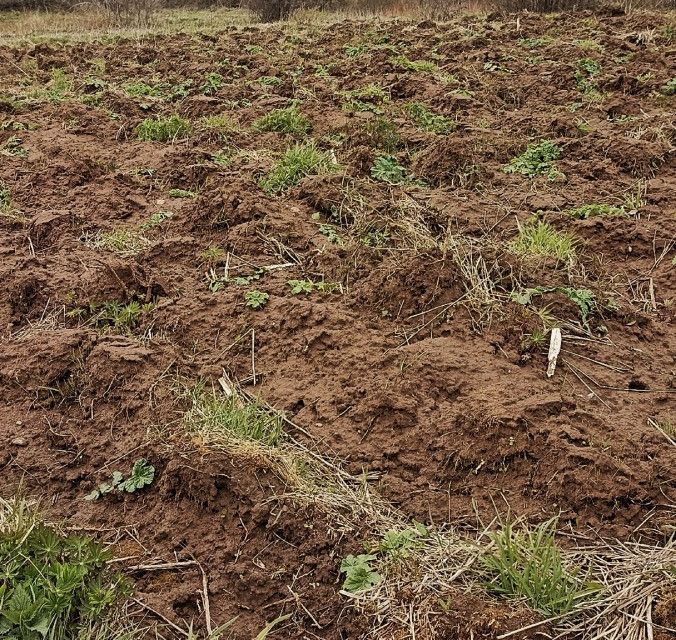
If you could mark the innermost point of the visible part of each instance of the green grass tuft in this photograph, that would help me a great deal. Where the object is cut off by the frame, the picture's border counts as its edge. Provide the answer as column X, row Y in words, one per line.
column 216, row 417
column 163, row 129
column 527, row 563
column 288, row 120
column 298, row 161
column 539, row 238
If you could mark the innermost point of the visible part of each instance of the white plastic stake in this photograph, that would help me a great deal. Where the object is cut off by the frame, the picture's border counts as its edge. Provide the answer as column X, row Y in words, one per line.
column 554, row 350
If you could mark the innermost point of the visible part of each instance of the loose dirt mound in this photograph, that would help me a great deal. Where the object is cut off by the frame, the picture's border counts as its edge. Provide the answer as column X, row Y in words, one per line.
column 424, row 368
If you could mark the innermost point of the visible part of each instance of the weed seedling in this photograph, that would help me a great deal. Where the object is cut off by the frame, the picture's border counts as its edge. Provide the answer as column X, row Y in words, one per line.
column 383, row 134
column 298, row 162
column 387, row 169
column 270, row 81
column 142, row 90
column 359, row 574
column 126, row 242
column 163, row 129
column 59, row 86
column 418, row 66
column 428, row 120
column 256, row 299
column 288, row 120
column 213, row 254
column 397, row 543
column 330, row 232
column 536, row 160
column 669, row 88
column 212, row 83
column 5, row 197
column 116, row 316
column 142, row 475
column 587, row 69
column 540, row 239
column 308, row 286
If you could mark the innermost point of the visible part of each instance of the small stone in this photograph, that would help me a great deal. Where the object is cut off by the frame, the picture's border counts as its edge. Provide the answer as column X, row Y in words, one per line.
column 19, row 442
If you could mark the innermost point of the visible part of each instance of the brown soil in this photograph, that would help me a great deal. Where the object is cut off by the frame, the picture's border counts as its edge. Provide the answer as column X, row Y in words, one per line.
column 453, row 414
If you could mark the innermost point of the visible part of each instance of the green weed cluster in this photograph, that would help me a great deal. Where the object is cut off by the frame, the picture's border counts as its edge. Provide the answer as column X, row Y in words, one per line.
column 428, row 120
column 536, row 160
column 386, row 168
column 52, row 586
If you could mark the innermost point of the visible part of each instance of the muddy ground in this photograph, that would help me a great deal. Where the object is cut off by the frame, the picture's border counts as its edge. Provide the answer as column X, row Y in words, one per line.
column 444, row 401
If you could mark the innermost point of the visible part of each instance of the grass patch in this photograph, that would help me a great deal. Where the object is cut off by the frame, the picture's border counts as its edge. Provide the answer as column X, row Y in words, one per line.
column 428, row 120
column 231, row 418
column 289, row 120
column 126, row 242
column 539, row 239
column 537, row 160
column 587, row 211
column 53, row 585
column 5, row 198
column 298, row 161
column 527, row 563
column 418, row 66
column 163, row 129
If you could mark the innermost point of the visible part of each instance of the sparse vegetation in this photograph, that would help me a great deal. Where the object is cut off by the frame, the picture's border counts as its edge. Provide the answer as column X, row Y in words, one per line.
column 390, row 304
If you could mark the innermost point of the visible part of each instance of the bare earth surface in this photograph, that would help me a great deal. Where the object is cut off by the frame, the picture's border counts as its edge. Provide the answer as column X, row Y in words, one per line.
column 447, row 404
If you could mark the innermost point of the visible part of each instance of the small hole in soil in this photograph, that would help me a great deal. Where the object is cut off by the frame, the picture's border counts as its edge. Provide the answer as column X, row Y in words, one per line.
column 637, row 385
